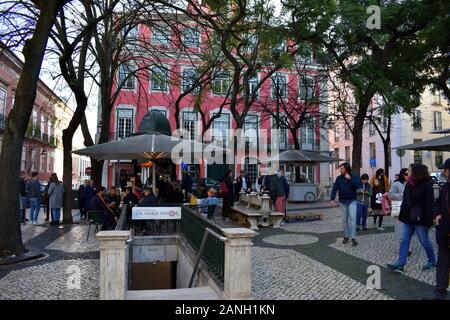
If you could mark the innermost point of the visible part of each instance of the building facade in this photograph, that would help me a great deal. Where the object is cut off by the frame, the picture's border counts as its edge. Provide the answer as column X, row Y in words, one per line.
column 158, row 88
column 431, row 115
column 42, row 146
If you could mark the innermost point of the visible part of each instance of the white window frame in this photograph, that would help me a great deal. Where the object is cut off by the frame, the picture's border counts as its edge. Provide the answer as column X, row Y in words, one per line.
column 196, row 31
column 131, row 78
column 254, row 80
column 223, row 77
column 184, row 87
column 163, row 31
column 273, row 125
column 272, row 87
column 195, row 133
column 227, row 136
column 437, row 121
column 164, row 110
column 116, row 122
column 3, row 105
column 309, row 95
column 166, row 72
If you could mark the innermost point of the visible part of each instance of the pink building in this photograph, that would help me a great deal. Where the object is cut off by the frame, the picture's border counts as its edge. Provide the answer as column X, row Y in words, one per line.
column 40, row 141
column 158, row 87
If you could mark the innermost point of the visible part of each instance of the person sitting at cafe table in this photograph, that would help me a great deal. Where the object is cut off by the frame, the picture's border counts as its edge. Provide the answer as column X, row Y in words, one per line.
column 113, row 200
column 210, row 201
column 130, row 197
column 97, row 203
column 149, row 197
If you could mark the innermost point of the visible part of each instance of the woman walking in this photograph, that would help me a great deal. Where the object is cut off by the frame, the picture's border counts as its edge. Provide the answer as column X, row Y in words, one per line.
column 416, row 215
column 55, row 193
column 396, row 193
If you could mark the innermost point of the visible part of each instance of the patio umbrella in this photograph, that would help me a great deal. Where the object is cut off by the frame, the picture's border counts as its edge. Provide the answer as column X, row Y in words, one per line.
column 301, row 156
column 149, row 146
column 437, row 144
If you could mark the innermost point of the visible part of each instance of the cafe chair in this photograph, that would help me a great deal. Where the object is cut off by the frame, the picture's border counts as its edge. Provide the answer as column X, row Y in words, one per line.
column 97, row 218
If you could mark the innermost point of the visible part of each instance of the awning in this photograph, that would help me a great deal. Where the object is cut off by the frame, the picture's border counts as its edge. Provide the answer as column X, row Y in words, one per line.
column 301, row 156
column 437, row 144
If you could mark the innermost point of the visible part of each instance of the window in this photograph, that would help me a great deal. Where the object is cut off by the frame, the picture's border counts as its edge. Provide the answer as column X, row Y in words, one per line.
column 189, row 80
column 436, row 98
column 125, row 119
column 126, row 76
column 252, row 85
column 251, row 171
column 191, row 37
column 417, row 120
column 373, row 154
column 439, row 159
column 129, row 32
column 42, row 162
column 304, row 58
column 49, row 128
column 371, row 129
column 42, row 126
column 347, row 154
column 417, row 153
column 279, row 86
column 221, row 83
column 35, row 123
column 50, row 161
column 336, row 133
column 2, row 107
column 33, row 159
column 437, row 120
column 307, row 134
column 23, row 162
column 159, row 79
column 190, row 124
column 251, row 128
column 336, row 155
column 346, row 133
column 221, row 128
column 160, row 35
column 282, row 131
column 306, row 87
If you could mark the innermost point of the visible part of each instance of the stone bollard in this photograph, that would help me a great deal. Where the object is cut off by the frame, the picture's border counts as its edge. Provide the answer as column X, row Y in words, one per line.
column 265, row 210
column 241, row 196
column 238, row 263
column 251, row 196
column 113, row 266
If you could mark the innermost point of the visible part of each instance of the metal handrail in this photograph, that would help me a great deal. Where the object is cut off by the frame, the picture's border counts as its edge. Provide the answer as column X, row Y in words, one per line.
column 200, row 251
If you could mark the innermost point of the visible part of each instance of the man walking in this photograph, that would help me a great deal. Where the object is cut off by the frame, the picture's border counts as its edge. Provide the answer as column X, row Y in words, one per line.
column 23, row 197
column 34, row 196
column 442, row 220
column 347, row 184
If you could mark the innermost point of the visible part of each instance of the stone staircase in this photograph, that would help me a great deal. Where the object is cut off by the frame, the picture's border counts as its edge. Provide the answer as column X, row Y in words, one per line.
column 200, row 293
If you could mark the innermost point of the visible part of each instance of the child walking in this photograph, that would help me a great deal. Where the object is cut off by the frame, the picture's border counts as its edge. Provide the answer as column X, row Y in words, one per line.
column 363, row 196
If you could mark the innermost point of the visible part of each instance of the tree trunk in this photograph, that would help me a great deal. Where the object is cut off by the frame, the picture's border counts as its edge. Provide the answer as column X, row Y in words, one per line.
column 296, row 147
column 97, row 171
column 10, row 156
column 67, row 176
column 357, row 142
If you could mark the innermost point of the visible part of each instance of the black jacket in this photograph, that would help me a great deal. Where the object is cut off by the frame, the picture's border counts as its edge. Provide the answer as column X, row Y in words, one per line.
column 443, row 208
column 23, row 187
column 239, row 183
column 422, row 196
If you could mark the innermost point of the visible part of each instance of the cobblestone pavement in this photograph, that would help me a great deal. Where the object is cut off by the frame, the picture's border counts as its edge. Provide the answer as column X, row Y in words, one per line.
column 301, row 261
column 67, row 253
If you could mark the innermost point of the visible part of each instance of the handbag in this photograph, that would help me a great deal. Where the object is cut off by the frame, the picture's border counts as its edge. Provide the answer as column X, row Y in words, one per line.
column 415, row 214
column 395, row 208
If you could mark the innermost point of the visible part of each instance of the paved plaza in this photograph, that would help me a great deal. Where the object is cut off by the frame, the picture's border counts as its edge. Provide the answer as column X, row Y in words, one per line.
column 300, row 261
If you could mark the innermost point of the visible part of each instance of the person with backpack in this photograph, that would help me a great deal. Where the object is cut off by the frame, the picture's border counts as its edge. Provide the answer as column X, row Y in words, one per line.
column 227, row 193
column 416, row 215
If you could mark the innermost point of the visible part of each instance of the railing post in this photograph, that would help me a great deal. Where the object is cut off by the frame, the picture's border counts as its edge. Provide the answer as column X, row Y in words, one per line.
column 238, row 263
column 113, row 279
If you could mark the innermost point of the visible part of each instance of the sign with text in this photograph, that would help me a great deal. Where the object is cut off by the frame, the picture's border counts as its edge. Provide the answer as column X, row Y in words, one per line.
column 156, row 213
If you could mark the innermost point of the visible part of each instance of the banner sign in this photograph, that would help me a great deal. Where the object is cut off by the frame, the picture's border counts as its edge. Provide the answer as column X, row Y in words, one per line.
column 156, row 213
